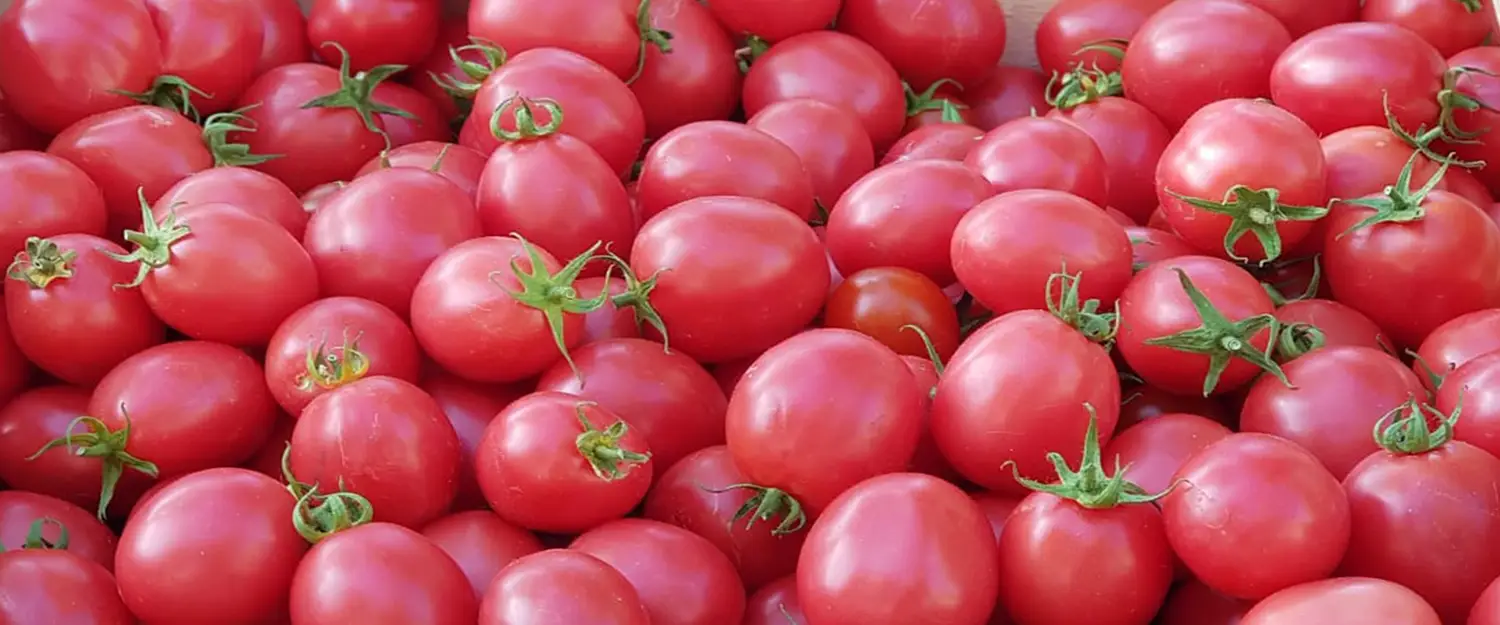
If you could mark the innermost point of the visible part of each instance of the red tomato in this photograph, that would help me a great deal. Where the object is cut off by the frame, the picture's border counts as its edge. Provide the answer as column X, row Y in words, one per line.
column 1456, row 342
column 55, row 586
column 15, row 133
column 1070, row 25
column 834, row 68
column 424, row 120
column 1487, row 609
column 710, row 158
column 829, row 140
column 1485, row 89
column 1343, row 601
column 460, row 165
column 880, row 302
column 284, row 39
column 549, row 447
column 1473, row 388
column 1396, row 67
column 333, row 342
column 681, row 578
column 1301, row 17
column 609, row 321
column 1150, row 245
column 697, row 79
column 1364, row 160
column 213, row 45
column 88, row 538
column 772, row 21
column 375, row 32
column 253, row 191
column 215, row 545
column 604, row 32
column 66, row 314
column 46, row 196
column 1336, row 323
column 1192, row 603
column 775, row 604
column 1007, row 93
column 927, row 530
column 481, row 543
column 1152, row 451
column 454, row 67
column 1132, row 140
column 380, row 574
column 561, row 585
column 469, row 406
column 1142, row 403
column 1254, row 514
column 927, row 42
column 1042, row 153
column 949, row 142
column 1449, row 26
column 37, row 418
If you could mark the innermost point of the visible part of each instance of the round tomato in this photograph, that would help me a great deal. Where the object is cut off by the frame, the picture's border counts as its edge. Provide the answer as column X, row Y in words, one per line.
column 1071, row 25
column 87, row 537
column 561, row 585
column 1395, row 68
column 29, row 424
column 1343, row 601
column 1472, row 390
column 881, row 302
column 46, row 196
column 284, row 39
column 829, row 140
column 928, row 42
column 1336, row 324
column 1131, row 139
column 835, row 68
column 54, row 586
column 380, row 574
column 1152, row 451
column 1450, row 26
column 1456, row 342
column 211, row 45
column 1482, row 86
column 710, row 158
column 253, row 191
column 481, row 543
column 695, row 78
column 681, row 578
column 604, row 32
column 1042, row 153
column 375, row 32
column 460, row 165
column 333, row 342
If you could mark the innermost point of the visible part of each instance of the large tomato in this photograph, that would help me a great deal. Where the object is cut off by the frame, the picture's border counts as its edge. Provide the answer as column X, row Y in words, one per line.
column 87, row 537
column 561, row 586
column 1070, row 25
column 212, row 45
column 830, row 141
column 1397, row 70
column 375, row 32
column 607, row 32
column 54, row 586
column 380, row 574
column 696, row 78
column 251, row 190
column 32, row 421
column 333, row 342
column 46, row 196
column 927, row 42
column 1132, row 140
column 710, row 158
column 834, row 68
column 681, row 578
column 1343, row 601
column 481, row 543
column 1042, row 153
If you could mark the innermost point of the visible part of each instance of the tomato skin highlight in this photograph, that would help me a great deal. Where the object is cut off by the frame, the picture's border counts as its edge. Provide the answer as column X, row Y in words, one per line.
column 1152, row 451
column 1069, row 25
column 380, row 574
column 882, row 302
column 379, row 32
column 1390, row 59
column 927, row 42
column 698, row 80
column 1343, row 601
column 253, row 191
column 829, row 140
column 561, row 585
column 682, row 578
column 1132, row 140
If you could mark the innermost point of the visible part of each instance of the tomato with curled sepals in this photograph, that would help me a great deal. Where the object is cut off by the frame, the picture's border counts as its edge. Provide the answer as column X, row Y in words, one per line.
column 548, row 447
column 481, row 543
column 775, row 604
column 881, row 302
column 45, row 585
column 1041, row 153
column 927, row 528
column 1131, row 139
column 1151, row 245
column 32, row 420
column 834, row 68
column 453, row 68
column 1456, row 342
column 335, row 341
column 929, row 42
column 904, row 215
column 469, row 406
column 1071, row 25
column 1192, row 603
column 375, row 32
column 1262, row 492
column 284, row 34
column 460, row 165
column 213, row 545
column 66, row 313
column 561, row 585
column 46, row 196
column 1317, row 323
column 829, row 140
column 681, row 577
column 1343, row 601
column 87, row 537
column 607, row 33
column 695, row 78
column 211, row 45
column 380, row 574
column 1364, row 160
column 710, row 158
column 1449, row 25
column 947, row 141
column 1008, row 92
column 1152, row 451
column 252, row 191
column 1399, row 72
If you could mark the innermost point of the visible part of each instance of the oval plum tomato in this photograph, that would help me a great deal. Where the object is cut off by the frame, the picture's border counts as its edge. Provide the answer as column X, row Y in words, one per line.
column 696, row 494
column 1152, row 451
column 52, row 77
column 929, row 42
column 834, row 68
column 701, row 245
column 1397, row 70
column 87, row 537
column 1192, row 603
column 710, row 158
column 666, row 397
column 1315, row 323
column 1456, row 342
column 1343, row 601
column 548, row 447
column 284, row 31
column 28, row 424
column 1450, row 26
column 217, row 273
column 46, row 196
column 1218, row 182
column 384, row 439
column 928, row 529
column 607, row 33
column 610, row 321
column 681, row 577
column 481, row 543
column 881, row 301
column 1195, row 324
column 904, row 215
column 1132, row 140
column 1471, row 388
column 1008, row 92
column 375, row 32
column 1150, row 245
column 1143, row 402
column 601, row 110
column 1255, row 498
column 333, row 342
column 213, row 540
column 949, row 142
column 252, row 191
column 380, row 574
column 15, row 133
column 829, row 140
column 66, row 314
column 696, row 79
column 1071, row 25
column 460, row 165
column 772, row 21
column 1042, row 153
column 469, row 406
column 55, row 586
column 775, row 604
column 561, row 586
column 212, row 45
column 377, row 237
column 816, row 414
column 1377, row 246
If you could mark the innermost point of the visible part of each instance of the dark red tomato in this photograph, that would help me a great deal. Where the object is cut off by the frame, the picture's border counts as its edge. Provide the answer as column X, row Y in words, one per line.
column 949, row 142
column 1343, row 601
column 710, row 158
column 980, row 420
column 1070, row 25
column 1473, row 387
column 469, row 406
column 1152, row 451
column 775, row 604
column 216, row 545
column 774, row 21
column 1338, row 324
column 267, row 461
column 284, row 34
column 15, row 133
column 881, row 301
column 1254, row 514
column 665, row 396
column 481, row 543
column 1218, row 159
column 1451, row 26
column 561, row 586
column 599, row 108
column 1150, row 245
column 834, row 68
column 1156, row 305
column 681, row 577
column 46, row 196
column 1142, row 403
column 107, row 147
column 697, row 80
column 252, row 191
column 213, row 45
column 822, row 411
column 829, row 140
column 385, row 439
column 460, row 165
column 928, row 529
column 927, row 42
column 88, row 538
column 380, row 574
column 54, row 77
column 691, row 494
column 1456, row 342
column 1041, row 153
column 604, row 32
column 1393, row 65
column 1485, row 89
column 1132, row 140
column 1180, row 62
column 609, row 321
column 904, row 215
column 55, row 586
column 217, row 273
column 66, row 314
column 375, row 32
column 333, row 342
column 700, row 245
column 1192, row 603
column 1008, row 92
column 33, row 420
column 1301, row 17
column 426, row 122
column 1006, row 250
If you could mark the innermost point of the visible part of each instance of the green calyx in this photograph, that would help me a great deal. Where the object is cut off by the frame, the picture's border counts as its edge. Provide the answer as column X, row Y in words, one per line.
column 1432, row 377
column 41, row 263
column 1416, row 427
column 216, row 131
column 1280, row 299
column 329, row 368
column 650, row 37
column 317, row 516
column 928, row 100
column 108, row 446
column 357, row 92
column 602, row 450
column 747, row 54
column 1064, row 303
column 36, row 537
column 551, row 294
column 1254, row 211
column 1081, row 85
column 765, row 505
column 1089, row 486
column 464, row 91
column 1221, row 339
column 153, row 242
column 637, row 297
column 1446, row 129
column 932, row 354
column 1297, row 339
column 171, row 93
column 1400, row 203
column 524, row 111
column 1472, row 6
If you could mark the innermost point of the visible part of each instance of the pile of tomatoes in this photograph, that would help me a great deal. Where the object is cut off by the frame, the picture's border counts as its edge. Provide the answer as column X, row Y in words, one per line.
column 748, row 312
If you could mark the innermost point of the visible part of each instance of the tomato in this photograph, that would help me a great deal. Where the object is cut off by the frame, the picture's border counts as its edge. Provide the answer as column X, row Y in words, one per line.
column 253, row 191
column 382, row 32
column 87, row 537
column 928, row 42
column 1336, row 325
column 1255, row 498
column 697, row 79
column 1301, row 18
column 217, row 273
column 829, row 140
column 604, row 32
column 949, row 142
column 1394, row 65
column 1456, row 342
column 710, row 158
column 216, row 540
column 481, row 543
column 1042, row 153
column 1132, row 140
column 333, row 342
column 46, row 196
column 834, row 68
column 1192, row 603
column 904, row 215
column 1152, row 451
column 548, row 447
column 55, row 586
column 380, row 574
column 763, row 249
column 469, row 407
column 1070, row 25
column 453, row 68
column 1179, row 61
column 681, row 578
column 1485, row 89
column 1449, row 26
column 880, row 302
column 1470, row 389
column 212, row 45
column 1151, row 245
column 775, row 604
column 561, row 585
column 460, row 165
column 15, row 133
column 927, row 528
column 34, row 419
column 424, row 120
column 1343, row 601
column 284, row 34
column 66, row 314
